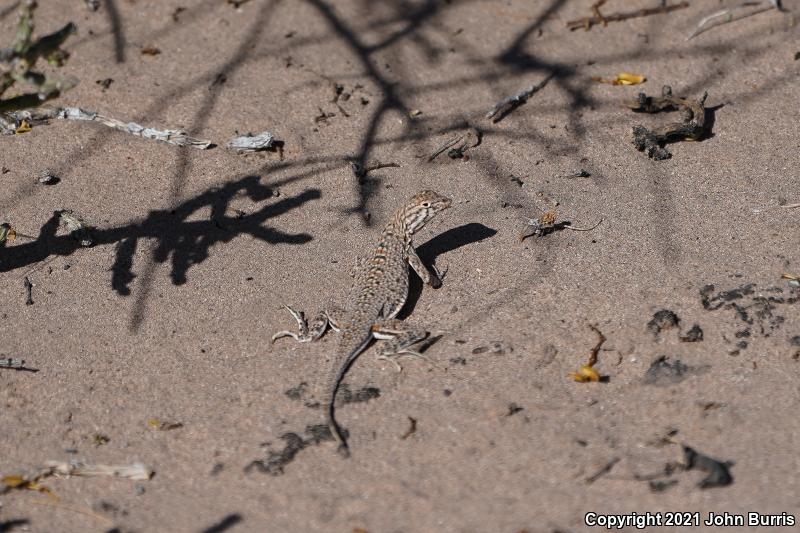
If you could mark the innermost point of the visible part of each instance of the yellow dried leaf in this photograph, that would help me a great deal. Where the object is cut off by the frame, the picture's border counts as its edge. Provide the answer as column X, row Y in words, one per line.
column 163, row 425
column 585, row 374
column 623, row 78
column 24, row 127
column 19, row 482
column 626, row 78
column 30, row 485
column 13, row 482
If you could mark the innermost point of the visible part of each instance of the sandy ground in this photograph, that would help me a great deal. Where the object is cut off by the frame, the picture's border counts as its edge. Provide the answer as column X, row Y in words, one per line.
column 169, row 315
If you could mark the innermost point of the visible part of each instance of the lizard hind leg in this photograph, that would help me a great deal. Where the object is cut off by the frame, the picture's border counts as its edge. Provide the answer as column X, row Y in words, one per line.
column 305, row 332
column 396, row 338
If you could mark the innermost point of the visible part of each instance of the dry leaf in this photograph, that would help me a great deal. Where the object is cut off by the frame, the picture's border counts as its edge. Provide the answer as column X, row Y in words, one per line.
column 151, row 51
column 12, row 482
column 7, row 233
column 623, row 78
column 19, row 482
column 24, row 127
column 163, row 425
column 585, row 375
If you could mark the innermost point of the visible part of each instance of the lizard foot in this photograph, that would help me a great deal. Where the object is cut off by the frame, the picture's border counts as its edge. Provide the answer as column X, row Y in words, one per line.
column 393, row 357
column 304, row 334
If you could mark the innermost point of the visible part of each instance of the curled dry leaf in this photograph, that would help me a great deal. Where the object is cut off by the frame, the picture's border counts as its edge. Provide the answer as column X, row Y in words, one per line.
column 623, row 78
column 24, row 127
column 585, row 374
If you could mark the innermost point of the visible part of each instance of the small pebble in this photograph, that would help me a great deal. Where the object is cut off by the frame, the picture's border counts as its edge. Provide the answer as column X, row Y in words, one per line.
column 47, row 177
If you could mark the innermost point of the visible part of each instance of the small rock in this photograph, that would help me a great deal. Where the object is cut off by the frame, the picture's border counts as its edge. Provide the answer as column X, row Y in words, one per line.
column 47, row 177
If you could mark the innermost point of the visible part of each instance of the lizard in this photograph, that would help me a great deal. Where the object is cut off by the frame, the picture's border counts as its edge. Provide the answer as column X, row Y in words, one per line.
column 379, row 291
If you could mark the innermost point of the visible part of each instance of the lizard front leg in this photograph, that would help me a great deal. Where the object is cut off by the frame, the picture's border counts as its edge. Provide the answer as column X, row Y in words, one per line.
column 434, row 279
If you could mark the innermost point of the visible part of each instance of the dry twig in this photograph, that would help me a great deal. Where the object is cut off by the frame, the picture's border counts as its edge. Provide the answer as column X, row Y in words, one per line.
column 587, row 22
column 727, row 15
column 507, row 105
column 42, row 116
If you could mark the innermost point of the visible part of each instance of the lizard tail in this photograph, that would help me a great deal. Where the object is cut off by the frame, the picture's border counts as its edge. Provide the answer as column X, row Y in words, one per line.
column 338, row 433
column 336, row 430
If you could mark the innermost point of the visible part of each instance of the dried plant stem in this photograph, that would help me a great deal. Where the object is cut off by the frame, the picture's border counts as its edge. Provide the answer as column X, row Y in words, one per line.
column 726, row 16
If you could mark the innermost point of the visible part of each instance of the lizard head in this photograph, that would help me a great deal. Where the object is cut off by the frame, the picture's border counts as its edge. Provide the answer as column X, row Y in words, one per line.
column 422, row 207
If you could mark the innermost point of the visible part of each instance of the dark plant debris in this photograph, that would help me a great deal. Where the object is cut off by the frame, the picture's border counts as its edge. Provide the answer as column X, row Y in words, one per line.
column 298, row 392
column 275, row 462
column 719, row 474
column 661, row 485
column 360, row 171
column 28, row 291
column 495, row 347
column 13, row 363
column 664, row 372
column 663, row 319
column 105, row 83
column 176, row 13
column 692, row 126
column 456, row 146
column 695, row 334
column 587, row 373
column 605, row 469
column 754, row 310
column 163, row 425
column 507, row 105
column 582, row 173
column 412, row 428
column 513, row 409
column 365, row 394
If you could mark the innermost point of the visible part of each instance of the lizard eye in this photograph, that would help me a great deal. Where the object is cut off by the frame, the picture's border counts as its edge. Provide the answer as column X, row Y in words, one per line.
column 426, row 204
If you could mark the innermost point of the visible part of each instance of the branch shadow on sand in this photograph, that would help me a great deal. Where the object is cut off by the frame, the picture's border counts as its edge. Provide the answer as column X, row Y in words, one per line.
column 186, row 242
